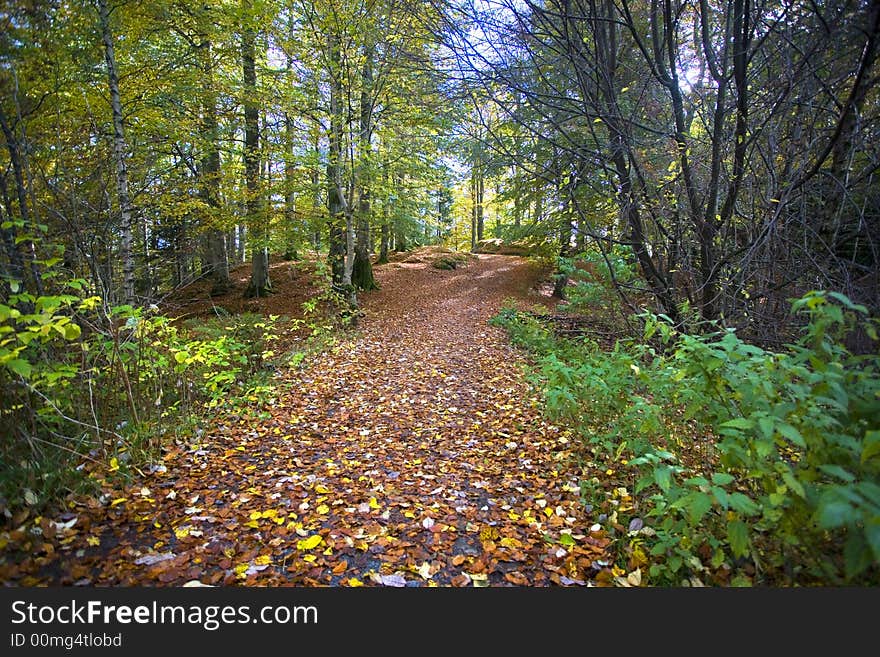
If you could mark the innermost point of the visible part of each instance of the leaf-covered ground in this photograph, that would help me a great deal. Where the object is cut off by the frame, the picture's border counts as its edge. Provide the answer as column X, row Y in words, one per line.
column 412, row 454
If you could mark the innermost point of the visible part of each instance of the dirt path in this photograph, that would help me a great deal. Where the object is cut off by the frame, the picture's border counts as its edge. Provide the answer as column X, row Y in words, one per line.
column 413, row 454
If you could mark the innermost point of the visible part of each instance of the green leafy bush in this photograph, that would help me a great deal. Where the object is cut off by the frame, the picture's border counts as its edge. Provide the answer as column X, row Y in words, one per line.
column 83, row 382
column 592, row 276
column 743, row 459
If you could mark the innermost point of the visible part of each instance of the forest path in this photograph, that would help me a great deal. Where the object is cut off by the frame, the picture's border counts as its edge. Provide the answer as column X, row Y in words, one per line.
column 413, row 453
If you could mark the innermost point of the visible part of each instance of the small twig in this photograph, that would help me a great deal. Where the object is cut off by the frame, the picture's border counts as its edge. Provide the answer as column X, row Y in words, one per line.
column 95, row 428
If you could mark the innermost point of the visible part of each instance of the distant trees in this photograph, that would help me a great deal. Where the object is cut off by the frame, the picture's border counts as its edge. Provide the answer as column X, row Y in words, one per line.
column 169, row 140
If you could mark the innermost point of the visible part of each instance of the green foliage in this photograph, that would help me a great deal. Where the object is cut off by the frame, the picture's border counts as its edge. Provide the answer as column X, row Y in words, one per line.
column 82, row 382
column 739, row 455
column 593, row 275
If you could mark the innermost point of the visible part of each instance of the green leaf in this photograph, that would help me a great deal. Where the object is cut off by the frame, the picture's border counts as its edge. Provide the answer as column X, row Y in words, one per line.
column 699, row 506
column 663, row 477
column 566, row 539
column 738, row 536
column 856, row 555
column 722, row 478
column 792, row 434
column 738, row 423
column 722, row 496
column 870, row 446
column 72, row 331
column 743, row 504
column 695, row 504
column 20, row 367
column 180, row 356
column 834, row 514
column 837, row 471
column 794, row 484
column 872, row 533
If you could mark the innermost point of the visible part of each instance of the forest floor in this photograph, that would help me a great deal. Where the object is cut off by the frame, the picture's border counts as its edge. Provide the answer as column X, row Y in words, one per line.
column 412, row 453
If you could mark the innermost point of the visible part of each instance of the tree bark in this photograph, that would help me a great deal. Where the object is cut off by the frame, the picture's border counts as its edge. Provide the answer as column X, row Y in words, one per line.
column 259, row 285
column 35, row 283
column 341, row 252
column 120, row 156
column 209, row 188
column 362, row 275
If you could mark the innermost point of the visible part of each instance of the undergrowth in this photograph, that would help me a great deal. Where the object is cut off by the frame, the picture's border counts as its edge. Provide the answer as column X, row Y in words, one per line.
column 89, row 388
column 717, row 462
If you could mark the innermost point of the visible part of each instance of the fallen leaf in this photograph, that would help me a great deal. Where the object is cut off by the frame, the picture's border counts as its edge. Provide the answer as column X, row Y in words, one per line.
column 396, row 581
column 480, row 580
column 310, row 543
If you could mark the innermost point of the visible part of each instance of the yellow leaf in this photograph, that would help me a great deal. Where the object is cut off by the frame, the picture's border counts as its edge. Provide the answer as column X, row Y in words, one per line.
column 548, row 512
column 114, row 464
column 253, row 524
column 513, row 515
column 263, row 560
column 354, row 582
column 510, row 542
column 241, row 569
column 118, row 500
column 409, row 514
column 635, row 577
column 320, row 488
column 309, row 558
column 480, row 580
column 310, row 543
column 323, row 509
column 255, row 515
column 373, row 503
column 93, row 540
column 181, row 532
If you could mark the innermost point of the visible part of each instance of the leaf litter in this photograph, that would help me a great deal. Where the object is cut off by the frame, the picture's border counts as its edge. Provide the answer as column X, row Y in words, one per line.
column 413, row 453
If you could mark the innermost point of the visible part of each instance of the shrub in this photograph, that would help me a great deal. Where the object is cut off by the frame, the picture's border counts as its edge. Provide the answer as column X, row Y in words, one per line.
column 743, row 459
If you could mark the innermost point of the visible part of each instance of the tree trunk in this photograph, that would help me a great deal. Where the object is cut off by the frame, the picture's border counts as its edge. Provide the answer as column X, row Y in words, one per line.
column 259, row 285
column 480, row 219
column 335, row 202
column 15, row 269
column 209, row 183
column 289, row 195
column 362, row 274
column 120, row 155
column 473, row 191
column 36, row 280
